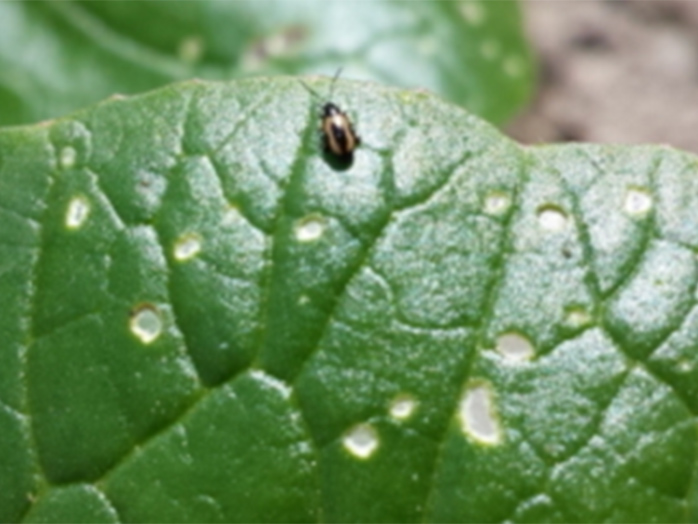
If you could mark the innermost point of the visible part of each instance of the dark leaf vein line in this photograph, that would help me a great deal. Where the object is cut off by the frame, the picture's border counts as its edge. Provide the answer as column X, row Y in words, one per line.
column 367, row 250
column 30, row 326
column 488, row 312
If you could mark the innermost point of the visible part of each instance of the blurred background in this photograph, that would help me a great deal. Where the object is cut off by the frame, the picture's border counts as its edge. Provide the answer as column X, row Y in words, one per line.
column 612, row 71
column 617, row 71
column 58, row 56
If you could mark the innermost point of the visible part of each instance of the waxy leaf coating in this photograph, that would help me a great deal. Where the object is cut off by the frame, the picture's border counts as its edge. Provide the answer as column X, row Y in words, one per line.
column 205, row 320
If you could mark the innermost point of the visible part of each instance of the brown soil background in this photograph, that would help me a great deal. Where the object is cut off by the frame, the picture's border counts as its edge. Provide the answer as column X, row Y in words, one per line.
column 613, row 71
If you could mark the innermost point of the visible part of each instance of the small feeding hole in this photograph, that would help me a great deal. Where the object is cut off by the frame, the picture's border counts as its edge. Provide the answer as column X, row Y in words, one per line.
column 685, row 366
column 187, row 246
column 552, row 218
column 310, row 229
column 577, row 318
column 638, row 201
column 146, row 323
column 303, row 300
column 78, row 209
column 497, row 203
column 68, row 157
column 515, row 347
column 402, row 407
column 477, row 415
column 361, row 441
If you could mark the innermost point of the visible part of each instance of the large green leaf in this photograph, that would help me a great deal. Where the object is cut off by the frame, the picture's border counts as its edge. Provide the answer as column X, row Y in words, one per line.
column 205, row 319
column 56, row 57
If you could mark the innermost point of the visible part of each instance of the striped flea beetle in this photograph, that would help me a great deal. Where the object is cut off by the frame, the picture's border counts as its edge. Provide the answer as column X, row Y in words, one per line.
column 338, row 136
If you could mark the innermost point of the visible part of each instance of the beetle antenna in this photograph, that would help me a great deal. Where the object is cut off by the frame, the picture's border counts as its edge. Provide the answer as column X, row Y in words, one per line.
column 334, row 79
column 310, row 89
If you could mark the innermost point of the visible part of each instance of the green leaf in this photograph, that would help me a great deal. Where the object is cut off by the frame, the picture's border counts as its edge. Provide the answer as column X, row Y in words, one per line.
column 56, row 57
column 205, row 319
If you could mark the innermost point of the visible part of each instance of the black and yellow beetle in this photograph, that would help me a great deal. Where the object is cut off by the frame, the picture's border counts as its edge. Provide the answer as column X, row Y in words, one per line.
column 338, row 136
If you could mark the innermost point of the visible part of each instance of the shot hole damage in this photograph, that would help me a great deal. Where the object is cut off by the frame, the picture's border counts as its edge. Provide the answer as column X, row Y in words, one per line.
column 477, row 414
column 146, row 323
column 361, row 441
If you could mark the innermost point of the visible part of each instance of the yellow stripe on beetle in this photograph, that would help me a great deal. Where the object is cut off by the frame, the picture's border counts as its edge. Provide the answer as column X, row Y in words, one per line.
column 338, row 136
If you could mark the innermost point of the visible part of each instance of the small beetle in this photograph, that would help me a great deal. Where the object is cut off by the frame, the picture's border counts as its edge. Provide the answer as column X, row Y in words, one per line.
column 338, row 135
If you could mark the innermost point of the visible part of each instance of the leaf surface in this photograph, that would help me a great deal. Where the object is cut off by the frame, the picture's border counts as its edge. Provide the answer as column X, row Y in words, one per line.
column 207, row 320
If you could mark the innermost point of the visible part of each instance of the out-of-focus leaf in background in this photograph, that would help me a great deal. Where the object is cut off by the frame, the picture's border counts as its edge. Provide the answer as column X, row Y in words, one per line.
column 56, row 57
